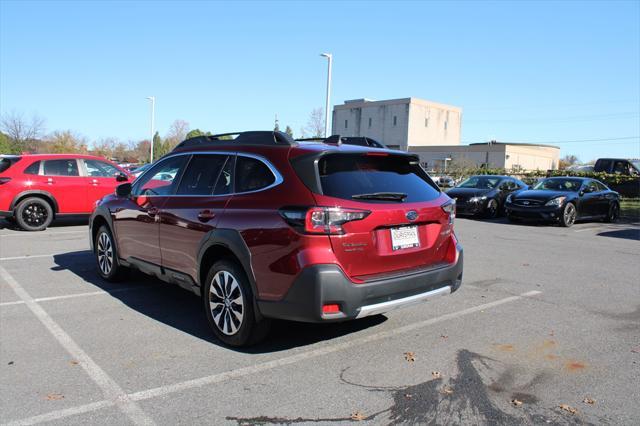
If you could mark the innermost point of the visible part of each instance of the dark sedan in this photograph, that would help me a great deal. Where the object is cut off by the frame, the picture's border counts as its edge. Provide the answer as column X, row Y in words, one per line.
column 565, row 200
column 484, row 194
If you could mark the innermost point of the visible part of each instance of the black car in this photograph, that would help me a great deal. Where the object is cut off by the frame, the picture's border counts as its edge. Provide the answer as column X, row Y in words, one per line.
column 565, row 200
column 484, row 194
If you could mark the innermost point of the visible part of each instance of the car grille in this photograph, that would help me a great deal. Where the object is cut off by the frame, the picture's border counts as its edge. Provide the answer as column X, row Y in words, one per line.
column 527, row 203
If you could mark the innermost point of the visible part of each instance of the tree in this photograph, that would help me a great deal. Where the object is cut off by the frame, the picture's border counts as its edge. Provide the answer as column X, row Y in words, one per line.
column 176, row 134
column 64, row 142
column 567, row 161
column 104, row 147
column 315, row 125
column 142, row 151
column 160, row 147
column 22, row 132
column 6, row 147
column 289, row 131
column 197, row 132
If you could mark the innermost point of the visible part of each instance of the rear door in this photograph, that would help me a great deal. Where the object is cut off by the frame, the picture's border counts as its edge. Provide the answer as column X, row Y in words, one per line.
column 61, row 178
column 194, row 209
column 397, row 235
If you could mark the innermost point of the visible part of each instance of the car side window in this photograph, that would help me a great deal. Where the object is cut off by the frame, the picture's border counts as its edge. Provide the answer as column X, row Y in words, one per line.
column 600, row 186
column 201, row 175
column 162, row 178
column 591, row 187
column 97, row 168
column 225, row 181
column 33, row 169
column 621, row 168
column 252, row 174
column 61, row 167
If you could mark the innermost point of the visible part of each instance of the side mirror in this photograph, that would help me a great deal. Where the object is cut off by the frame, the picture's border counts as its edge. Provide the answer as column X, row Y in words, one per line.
column 123, row 190
column 121, row 177
column 582, row 192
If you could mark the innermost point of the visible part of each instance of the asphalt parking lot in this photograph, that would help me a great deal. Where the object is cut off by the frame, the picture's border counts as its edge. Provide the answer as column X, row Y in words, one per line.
column 547, row 322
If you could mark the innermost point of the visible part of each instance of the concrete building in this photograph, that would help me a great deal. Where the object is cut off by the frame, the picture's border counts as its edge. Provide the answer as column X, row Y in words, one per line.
column 399, row 123
column 511, row 156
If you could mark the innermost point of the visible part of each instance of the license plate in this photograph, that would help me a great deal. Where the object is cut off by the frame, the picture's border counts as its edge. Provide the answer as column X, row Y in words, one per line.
column 404, row 237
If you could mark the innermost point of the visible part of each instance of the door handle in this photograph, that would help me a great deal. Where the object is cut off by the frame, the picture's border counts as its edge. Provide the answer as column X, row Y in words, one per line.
column 50, row 180
column 206, row 215
column 94, row 182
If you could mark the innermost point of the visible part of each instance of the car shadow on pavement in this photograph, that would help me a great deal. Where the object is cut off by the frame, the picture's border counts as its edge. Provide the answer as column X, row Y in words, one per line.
column 628, row 234
column 183, row 310
column 58, row 222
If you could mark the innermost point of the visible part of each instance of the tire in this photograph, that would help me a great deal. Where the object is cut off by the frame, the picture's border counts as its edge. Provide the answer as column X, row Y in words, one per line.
column 492, row 209
column 614, row 213
column 229, row 306
column 569, row 215
column 33, row 214
column 104, row 248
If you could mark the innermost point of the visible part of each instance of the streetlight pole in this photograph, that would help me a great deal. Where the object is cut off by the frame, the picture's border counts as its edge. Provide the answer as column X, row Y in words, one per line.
column 329, row 56
column 153, row 116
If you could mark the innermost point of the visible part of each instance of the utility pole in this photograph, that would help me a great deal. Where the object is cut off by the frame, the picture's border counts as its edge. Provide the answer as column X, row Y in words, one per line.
column 153, row 116
column 329, row 56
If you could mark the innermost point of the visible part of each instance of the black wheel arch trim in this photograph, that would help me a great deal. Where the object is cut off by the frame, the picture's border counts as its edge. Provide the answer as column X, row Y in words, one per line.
column 36, row 192
column 231, row 240
column 103, row 213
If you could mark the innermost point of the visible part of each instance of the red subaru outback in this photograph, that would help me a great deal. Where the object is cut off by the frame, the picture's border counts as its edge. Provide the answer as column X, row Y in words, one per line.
column 266, row 227
column 36, row 188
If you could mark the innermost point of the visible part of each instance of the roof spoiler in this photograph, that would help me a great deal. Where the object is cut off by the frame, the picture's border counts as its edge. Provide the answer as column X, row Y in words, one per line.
column 347, row 140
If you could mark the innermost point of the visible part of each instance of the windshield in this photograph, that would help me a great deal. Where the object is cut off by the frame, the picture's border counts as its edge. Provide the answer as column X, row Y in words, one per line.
column 480, row 182
column 559, row 184
column 636, row 164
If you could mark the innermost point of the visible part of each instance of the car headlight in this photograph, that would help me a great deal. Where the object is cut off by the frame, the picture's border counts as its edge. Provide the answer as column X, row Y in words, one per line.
column 477, row 199
column 556, row 201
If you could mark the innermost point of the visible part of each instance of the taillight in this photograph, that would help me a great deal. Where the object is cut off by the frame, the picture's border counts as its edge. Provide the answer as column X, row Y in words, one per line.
column 4, row 180
column 322, row 220
column 450, row 208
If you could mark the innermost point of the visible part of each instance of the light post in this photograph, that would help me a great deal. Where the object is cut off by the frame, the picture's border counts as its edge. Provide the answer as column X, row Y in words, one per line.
column 329, row 56
column 153, row 114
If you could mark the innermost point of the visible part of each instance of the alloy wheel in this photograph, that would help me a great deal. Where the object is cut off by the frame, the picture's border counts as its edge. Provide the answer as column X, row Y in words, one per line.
column 105, row 253
column 226, row 303
column 35, row 214
column 492, row 208
column 614, row 212
column 569, row 214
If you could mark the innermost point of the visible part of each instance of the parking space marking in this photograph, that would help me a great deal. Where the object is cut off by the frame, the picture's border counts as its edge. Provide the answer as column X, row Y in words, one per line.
column 34, row 256
column 111, row 390
column 269, row 365
column 71, row 296
column 61, row 414
column 40, row 234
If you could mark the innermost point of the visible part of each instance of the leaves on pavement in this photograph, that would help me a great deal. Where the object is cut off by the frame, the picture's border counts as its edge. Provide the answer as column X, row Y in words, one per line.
column 447, row 390
column 54, row 397
column 588, row 400
column 410, row 356
column 357, row 416
column 436, row 374
column 516, row 402
column 568, row 408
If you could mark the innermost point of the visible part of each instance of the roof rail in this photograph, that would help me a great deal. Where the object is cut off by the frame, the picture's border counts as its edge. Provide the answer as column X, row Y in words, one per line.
column 347, row 140
column 255, row 137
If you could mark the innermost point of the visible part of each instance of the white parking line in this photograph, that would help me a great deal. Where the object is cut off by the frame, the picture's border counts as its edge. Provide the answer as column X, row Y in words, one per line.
column 111, row 390
column 41, row 234
column 35, row 256
column 269, row 365
column 71, row 296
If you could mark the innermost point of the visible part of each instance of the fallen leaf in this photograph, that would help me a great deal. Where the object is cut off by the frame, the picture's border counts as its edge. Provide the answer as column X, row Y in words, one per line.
column 54, row 397
column 410, row 356
column 588, row 400
column 74, row 362
column 357, row 416
column 444, row 336
column 568, row 408
column 551, row 333
column 10, row 363
column 447, row 390
column 525, row 264
column 436, row 374
column 408, row 395
column 516, row 402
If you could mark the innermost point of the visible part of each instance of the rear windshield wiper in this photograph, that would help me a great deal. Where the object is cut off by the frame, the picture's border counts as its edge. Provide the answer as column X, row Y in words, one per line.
column 390, row 196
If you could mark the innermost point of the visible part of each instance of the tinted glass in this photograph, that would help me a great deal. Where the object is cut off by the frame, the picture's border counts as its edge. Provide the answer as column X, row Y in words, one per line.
column 5, row 163
column 480, row 182
column 621, row 167
column 225, row 180
column 61, row 168
column 559, row 184
column 603, row 166
column 162, row 177
column 252, row 174
column 97, row 168
column 346, row 175
column 33, row 169
column 201, row 175
column 601, row 186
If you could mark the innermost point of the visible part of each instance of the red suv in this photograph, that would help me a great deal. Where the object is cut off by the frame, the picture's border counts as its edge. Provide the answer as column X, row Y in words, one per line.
column 36, row 188
column 266, row 227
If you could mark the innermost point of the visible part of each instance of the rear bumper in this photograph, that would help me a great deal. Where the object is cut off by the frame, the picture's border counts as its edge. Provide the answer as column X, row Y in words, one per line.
column 534, row 213
column 318, row 285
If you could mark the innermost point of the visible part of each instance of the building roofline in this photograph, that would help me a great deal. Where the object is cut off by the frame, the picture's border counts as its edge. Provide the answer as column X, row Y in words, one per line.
column 353, row 103
column 514, row 143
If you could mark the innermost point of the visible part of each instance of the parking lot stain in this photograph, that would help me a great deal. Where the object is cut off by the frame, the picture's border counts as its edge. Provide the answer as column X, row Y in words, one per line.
column 504, row 347
column 575, row 366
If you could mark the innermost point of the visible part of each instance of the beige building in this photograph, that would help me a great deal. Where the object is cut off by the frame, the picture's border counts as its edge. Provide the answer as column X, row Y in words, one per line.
column 399, row 123
column 511, row 156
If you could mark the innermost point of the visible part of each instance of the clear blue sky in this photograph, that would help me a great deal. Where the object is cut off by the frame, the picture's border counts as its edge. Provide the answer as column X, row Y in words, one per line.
column 531, row 72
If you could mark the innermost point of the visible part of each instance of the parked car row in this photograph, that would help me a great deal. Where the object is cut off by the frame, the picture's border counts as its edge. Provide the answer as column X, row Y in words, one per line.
column 560, row 199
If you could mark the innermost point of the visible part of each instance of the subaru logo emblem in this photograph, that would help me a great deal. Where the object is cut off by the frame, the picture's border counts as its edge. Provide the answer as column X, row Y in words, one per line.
column 412, row 215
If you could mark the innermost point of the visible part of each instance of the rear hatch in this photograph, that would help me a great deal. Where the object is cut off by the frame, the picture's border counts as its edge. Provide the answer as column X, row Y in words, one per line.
column 405, row 229
column 6, row 162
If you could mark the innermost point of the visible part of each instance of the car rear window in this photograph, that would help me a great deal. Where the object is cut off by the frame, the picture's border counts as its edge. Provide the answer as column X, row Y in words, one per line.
column 346, row 175
column 7, row 162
